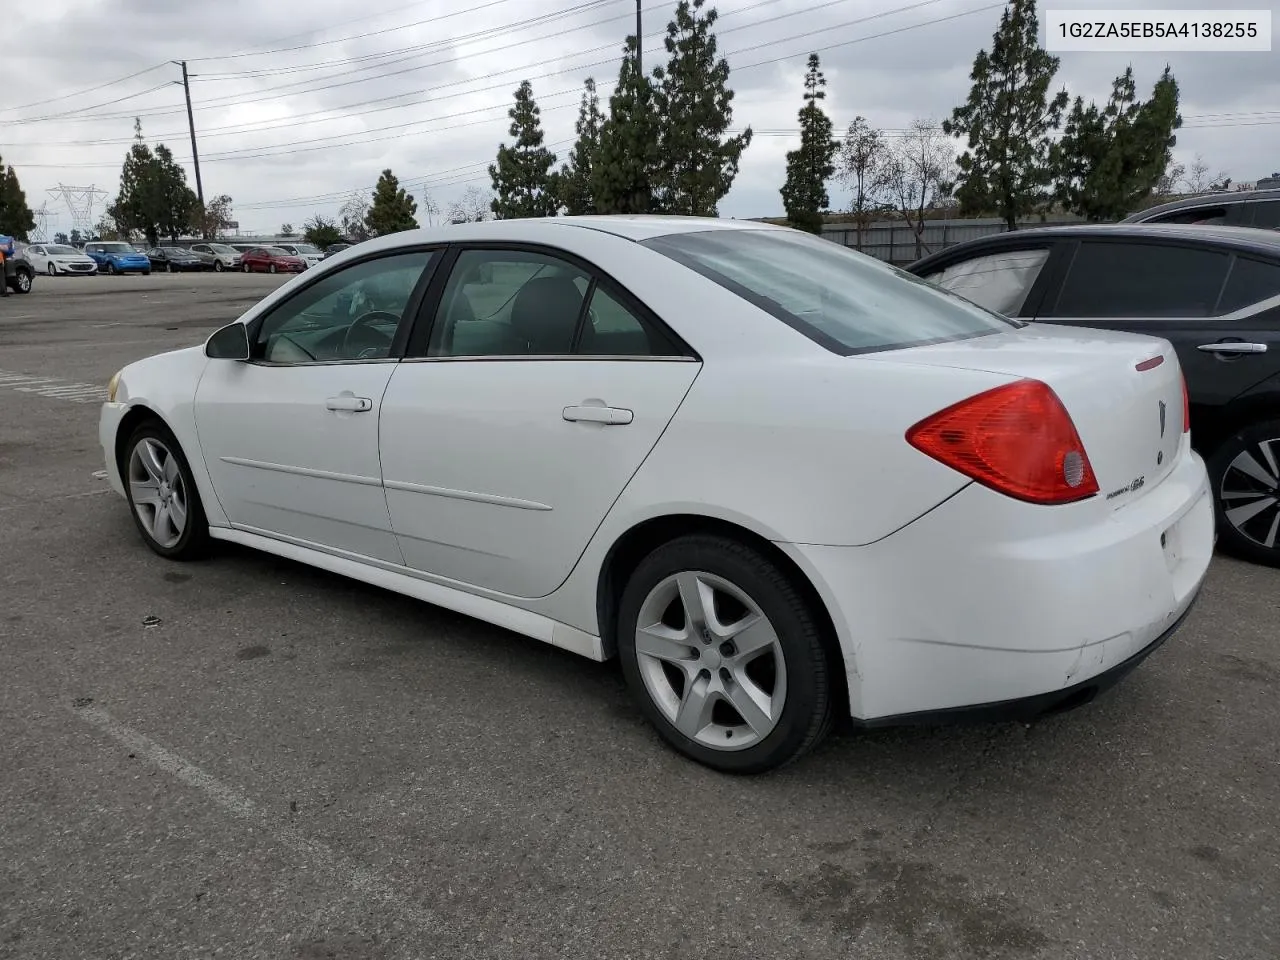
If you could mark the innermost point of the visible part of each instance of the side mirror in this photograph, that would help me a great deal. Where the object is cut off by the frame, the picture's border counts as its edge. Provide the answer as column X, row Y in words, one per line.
column 229, row 343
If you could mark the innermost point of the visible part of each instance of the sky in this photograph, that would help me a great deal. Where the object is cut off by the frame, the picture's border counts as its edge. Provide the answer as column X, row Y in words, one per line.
column 297, row 105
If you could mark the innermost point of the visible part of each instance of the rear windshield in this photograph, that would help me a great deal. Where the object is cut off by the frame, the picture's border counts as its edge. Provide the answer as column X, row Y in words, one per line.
column 846, row 301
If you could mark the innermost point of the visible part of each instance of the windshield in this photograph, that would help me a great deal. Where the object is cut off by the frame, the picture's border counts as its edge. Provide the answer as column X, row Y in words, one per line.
column 222, row 248
column 277, row 252
column 177, row 252
column 305, row 248
column 846, row 301
column 57, row 250
column 116, row 248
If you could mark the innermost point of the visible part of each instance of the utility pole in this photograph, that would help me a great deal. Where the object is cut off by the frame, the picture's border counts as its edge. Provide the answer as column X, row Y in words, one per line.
column 191, row 122
column 639, row 41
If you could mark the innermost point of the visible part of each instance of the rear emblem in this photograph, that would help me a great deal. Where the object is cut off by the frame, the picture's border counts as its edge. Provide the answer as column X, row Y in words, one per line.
column 1162, row 419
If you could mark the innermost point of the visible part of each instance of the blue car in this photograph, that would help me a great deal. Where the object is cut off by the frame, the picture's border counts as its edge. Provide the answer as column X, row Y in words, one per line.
column 116, row 257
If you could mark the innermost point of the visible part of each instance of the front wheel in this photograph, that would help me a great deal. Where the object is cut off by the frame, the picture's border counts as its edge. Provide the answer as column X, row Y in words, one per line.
column 51, row 270
column 162, row 494
column 245, row 267
column 168, row 268
column 1245, row 472
column 272, row 268
column 217, row 266
column 23, row 281
column 725, row 655
column 111, row 269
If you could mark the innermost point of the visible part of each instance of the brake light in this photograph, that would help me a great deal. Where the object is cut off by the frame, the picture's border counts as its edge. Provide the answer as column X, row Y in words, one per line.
column 1186, row 406
column 1017, row 439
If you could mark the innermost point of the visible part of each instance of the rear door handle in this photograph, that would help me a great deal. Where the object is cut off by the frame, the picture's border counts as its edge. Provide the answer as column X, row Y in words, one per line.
column 610, row 416
column 349, row 403
column 1233, row 347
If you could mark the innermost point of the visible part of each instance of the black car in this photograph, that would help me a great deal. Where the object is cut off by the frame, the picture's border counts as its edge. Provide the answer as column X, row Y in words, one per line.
column 172, row 259
column 335, row 248
column 1246, row 208
column 19, row 274
column 1211, row 291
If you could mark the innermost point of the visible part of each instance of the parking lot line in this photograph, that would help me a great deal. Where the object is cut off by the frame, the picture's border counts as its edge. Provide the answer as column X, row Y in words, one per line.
column 361, row 879
column 54, row 387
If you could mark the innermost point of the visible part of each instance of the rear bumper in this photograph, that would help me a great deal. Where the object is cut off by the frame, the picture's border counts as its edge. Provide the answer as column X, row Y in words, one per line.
column 989, row 604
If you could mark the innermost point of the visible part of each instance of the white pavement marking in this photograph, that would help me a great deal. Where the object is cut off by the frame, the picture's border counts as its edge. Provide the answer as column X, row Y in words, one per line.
column 54, row 387
column 361, row 879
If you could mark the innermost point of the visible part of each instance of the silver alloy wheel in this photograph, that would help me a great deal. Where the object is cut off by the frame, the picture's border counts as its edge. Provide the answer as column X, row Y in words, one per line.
column 158, row 492
column 24, row 282
column 1251, row 493
column 711, row 660
column 51, row 270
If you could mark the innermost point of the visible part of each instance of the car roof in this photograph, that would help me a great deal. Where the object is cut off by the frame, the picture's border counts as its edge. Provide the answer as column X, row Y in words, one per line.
column 1204, row 200
column 1247, row 239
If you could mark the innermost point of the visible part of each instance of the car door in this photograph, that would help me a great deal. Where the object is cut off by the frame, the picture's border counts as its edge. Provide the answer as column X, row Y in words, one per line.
column 1209, row 302
column 39, row 260
column 520, row 414
column 290, row 437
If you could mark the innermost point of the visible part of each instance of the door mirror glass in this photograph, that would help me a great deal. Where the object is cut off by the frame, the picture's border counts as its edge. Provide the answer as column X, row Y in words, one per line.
column 229, row 343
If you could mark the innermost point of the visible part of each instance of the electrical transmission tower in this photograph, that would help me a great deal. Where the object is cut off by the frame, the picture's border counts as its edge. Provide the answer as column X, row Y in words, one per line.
column 81, row 202
column 41, row 232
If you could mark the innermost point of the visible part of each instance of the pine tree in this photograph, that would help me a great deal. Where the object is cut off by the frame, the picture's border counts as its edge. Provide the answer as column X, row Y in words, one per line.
column 695, row 107
column 154, row 198
column 576, row 176
column 1007, row 118
column 804, row 195
column 623, row 177
column 1110, row 160
column 16, row 218
column 392, row 209
column 523, row 181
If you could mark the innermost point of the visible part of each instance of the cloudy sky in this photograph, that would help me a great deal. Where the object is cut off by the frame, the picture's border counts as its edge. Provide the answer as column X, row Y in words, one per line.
column 298, row 104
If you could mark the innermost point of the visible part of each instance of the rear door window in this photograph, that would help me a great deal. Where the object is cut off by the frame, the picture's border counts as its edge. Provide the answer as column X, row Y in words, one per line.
column 1267, row 214
column 1115, row 279
column 1251, row 281
column 998, row 281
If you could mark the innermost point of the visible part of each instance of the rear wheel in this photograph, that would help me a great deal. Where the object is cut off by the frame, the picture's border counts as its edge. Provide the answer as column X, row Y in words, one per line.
column 245, row 267
column 272, row 268
column 725, row 655
column 162, row 494
column 168, row 268
column 111, row 268
column 22, row 281
column 1245, row 472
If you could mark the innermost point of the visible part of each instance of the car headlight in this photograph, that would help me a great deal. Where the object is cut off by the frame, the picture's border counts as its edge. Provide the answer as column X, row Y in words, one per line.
column 112, row 384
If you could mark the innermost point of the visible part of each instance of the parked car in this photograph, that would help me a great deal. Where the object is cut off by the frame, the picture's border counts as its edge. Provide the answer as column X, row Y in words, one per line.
column 306, row 252
column 334, row 248
column 219, row 256
column 1248, row 208
column 116, row 257
column 904, row 513
column 58, row 258
column 175, row 259
column 19, row 274
column 1213, row 292
column 271, row 260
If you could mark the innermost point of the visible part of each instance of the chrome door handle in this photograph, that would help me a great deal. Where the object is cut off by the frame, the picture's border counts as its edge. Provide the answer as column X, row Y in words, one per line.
column 350, row 403
column 1233, row 347
column 610, row 416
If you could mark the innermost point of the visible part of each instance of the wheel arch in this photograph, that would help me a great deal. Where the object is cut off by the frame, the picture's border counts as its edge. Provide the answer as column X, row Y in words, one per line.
column 1243, row 412
column 641, row 539
column 138, row 414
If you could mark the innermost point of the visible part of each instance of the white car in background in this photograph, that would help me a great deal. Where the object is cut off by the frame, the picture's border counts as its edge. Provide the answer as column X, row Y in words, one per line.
column 307, row 252
column 58, row 259
column 778, row 479
column 220, row 256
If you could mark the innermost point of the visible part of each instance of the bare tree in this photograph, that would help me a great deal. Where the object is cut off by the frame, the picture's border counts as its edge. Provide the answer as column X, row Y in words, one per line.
column 919, row 171
column 1167, row 185
column 1198, row 179
column 429, row 207
column 351, row 218
column 473, row 206
column 860, row 165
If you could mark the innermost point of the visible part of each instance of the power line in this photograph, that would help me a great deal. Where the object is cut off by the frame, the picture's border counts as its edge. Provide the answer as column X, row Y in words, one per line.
column 81, row 93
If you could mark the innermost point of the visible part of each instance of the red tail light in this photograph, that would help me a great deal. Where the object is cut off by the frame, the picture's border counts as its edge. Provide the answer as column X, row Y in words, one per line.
column 1017, row 439
column 1186, row 406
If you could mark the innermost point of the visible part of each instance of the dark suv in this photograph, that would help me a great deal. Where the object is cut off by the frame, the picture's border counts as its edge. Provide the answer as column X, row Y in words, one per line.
column 1213, row 292
column 1248, row 208
column 19, row 274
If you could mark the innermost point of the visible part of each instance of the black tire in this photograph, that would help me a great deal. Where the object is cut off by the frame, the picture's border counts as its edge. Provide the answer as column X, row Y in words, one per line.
column 146, row 273
column 194, row 541
column 1248, row 540
column 111, row 268
column 22, row 281
column 51, row 270
column 272, row 268
column 808, row 711
column 168, row 268
column 217, row 266
column 245, row 268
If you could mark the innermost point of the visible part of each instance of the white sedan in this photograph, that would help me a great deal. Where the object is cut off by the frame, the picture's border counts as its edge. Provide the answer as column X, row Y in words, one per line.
column 779, row 480
column 58, row 259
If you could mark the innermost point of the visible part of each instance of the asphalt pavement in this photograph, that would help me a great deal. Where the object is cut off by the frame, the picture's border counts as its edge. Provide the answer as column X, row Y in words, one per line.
column 248, row 758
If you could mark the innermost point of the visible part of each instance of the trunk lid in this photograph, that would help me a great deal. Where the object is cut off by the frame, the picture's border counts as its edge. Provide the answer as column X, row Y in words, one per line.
column 1123, row 392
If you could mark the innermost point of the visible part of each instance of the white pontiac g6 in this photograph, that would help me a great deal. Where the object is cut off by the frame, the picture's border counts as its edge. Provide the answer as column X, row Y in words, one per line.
column 777, row 479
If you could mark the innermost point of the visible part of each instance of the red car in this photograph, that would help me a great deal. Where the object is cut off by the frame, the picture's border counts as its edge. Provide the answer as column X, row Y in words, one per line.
column 271, row 260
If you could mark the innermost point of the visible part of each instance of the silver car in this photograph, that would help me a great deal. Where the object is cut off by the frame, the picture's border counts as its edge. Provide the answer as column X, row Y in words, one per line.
column 221, row 256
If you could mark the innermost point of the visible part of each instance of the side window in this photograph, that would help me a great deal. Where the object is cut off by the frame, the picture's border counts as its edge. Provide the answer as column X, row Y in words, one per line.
column 1250, row 282
column 1201, row 215
column 1267, row 214
column 352, row 314
column 613, row 330
column 1108, row 279
column 505, row 303
column 999, row 282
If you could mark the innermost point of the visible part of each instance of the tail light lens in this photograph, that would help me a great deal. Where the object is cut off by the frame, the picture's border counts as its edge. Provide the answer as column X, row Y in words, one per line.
column 1186, row 406
column 1017, row 439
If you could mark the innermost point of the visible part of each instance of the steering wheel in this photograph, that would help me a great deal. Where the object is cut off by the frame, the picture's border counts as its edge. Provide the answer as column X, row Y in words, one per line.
column 367, row 320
